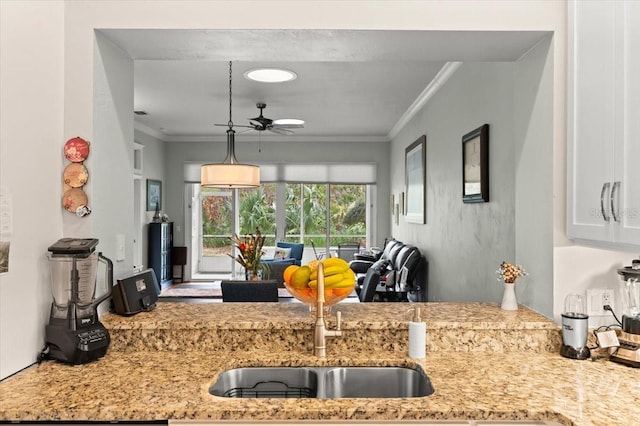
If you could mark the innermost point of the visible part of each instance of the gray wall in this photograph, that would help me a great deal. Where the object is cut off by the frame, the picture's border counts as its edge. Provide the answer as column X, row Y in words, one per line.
column 111, row 182
column 533, row 159
column 465, row 243
column 153, row 167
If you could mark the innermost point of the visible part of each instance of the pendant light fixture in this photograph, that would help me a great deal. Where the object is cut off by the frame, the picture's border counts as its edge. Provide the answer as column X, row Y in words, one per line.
column 230, row 173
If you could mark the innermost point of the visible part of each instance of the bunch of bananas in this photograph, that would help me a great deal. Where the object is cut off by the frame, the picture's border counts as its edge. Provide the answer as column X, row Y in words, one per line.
column 337, row 274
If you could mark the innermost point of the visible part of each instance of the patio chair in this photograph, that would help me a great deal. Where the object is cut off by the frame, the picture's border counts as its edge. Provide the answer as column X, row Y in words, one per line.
column 346, row 251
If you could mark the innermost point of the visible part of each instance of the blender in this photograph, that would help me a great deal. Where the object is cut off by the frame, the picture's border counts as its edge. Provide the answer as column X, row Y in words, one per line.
column 629, row 350
column 575, row 327
column 74, row 334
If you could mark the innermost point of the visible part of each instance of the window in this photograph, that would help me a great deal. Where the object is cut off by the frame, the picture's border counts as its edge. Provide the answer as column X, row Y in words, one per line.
column 326, row 204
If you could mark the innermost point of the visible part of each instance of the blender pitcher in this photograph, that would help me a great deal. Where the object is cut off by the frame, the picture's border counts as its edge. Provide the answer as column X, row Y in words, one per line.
column 629, row 350
column 630, row 291
column 73, row 281
column 74, row 333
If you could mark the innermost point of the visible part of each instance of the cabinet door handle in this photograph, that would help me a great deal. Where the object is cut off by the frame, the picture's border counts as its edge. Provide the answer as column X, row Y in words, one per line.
column 616, row 185
column 605, row 188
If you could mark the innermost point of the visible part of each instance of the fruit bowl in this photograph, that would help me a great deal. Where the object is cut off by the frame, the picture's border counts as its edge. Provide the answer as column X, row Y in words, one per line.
column 309, row 295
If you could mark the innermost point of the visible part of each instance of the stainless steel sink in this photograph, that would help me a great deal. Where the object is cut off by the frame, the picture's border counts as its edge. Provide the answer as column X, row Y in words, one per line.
column 267, row 382
column 323, row 382
column 376, row 382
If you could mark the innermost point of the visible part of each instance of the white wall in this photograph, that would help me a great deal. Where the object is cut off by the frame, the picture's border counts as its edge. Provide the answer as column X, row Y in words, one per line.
column 31, row 161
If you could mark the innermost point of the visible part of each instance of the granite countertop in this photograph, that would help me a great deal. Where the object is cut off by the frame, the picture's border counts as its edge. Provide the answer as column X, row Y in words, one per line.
column 156, row 382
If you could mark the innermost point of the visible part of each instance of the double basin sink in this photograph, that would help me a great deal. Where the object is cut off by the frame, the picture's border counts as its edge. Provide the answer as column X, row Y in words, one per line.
column 323, row 382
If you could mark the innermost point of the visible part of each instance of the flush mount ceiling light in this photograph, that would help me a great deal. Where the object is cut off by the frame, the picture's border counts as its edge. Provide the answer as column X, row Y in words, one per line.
column 230, row 173
column 270, row 75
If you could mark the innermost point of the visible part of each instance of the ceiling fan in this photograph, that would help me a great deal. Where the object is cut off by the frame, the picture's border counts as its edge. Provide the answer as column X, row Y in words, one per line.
column 283, row 127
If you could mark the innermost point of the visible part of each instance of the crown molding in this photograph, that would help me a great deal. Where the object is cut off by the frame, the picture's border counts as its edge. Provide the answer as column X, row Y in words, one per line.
column 439, row 80
column 148, row 131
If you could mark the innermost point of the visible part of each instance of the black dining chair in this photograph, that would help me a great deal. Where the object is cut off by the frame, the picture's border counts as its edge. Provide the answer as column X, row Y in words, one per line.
column 250, row 291
column 369, row 285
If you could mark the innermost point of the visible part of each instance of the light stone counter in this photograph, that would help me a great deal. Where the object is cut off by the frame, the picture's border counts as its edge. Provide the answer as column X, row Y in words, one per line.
column 153, row 382
column 288, row 326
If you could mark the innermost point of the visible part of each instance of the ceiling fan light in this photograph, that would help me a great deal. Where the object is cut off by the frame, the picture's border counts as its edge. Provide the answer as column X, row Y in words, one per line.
column 270, row 75
column 288, row 122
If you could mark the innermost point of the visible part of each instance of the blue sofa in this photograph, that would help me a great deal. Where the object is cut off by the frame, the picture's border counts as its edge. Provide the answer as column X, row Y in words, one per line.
column 275, row 267
column 295, row 255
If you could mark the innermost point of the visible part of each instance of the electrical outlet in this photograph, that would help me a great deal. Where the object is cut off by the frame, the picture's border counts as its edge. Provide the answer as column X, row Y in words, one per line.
column 597, row 298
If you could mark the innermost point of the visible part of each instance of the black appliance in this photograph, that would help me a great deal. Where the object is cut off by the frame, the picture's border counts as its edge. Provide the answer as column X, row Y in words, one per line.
column 74, row 334
column 135, row 293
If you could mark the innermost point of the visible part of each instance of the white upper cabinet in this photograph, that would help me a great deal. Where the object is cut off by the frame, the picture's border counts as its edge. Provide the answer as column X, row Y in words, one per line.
column 603, row 122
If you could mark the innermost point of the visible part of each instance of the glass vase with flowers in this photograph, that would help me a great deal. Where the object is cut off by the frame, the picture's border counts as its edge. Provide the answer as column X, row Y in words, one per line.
column 249, row 253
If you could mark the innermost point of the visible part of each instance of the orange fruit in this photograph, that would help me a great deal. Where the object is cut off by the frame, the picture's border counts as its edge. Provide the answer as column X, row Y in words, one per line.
column 286, row 275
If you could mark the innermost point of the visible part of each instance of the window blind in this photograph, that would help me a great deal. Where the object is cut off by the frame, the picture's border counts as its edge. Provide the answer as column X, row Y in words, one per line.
column 336, row 173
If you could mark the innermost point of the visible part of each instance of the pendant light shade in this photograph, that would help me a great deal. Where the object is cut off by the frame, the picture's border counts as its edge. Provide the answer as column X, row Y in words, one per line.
column 230, row 173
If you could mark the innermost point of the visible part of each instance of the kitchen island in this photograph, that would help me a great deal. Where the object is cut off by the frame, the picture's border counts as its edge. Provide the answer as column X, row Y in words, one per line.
column 484, row 363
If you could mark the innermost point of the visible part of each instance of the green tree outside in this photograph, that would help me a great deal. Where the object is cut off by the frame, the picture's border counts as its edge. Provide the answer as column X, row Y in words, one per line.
column 305, row 215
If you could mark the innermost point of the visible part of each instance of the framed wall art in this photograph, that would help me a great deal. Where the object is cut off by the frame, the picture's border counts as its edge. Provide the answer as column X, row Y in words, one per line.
column 415, row 176
column 475, row 165
column 154, row 194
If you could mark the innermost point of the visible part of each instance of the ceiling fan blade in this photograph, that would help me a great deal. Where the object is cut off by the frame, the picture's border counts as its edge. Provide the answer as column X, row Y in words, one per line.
column 251, row 129
column 235, row 125
column 288, row 126
column 281, row 131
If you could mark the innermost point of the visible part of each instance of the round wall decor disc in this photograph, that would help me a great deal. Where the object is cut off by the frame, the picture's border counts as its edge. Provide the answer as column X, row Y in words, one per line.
column 76, row 149
column 75, row 175
column 74, row 198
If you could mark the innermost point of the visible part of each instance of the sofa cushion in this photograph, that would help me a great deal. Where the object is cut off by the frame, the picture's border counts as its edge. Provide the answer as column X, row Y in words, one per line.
column 394, row 251
column 390, row 246
column 282, row 253
column 408, row 259
column 274, row 270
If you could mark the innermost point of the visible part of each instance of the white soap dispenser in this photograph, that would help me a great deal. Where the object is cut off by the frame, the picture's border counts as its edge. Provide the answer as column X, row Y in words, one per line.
column 417, row 335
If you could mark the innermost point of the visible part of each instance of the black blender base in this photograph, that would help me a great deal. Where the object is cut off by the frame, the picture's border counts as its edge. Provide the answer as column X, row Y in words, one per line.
column 573, row 353
column 76, row 347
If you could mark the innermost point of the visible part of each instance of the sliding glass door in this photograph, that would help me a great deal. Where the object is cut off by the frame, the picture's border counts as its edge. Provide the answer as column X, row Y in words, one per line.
column 215, row 225
column 319, row 215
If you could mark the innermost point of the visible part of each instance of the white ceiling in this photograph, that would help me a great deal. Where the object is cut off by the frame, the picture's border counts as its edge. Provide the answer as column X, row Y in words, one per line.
column 351, row 84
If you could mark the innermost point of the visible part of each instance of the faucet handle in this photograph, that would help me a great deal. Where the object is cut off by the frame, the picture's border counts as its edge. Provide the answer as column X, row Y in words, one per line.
column 339, row 320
